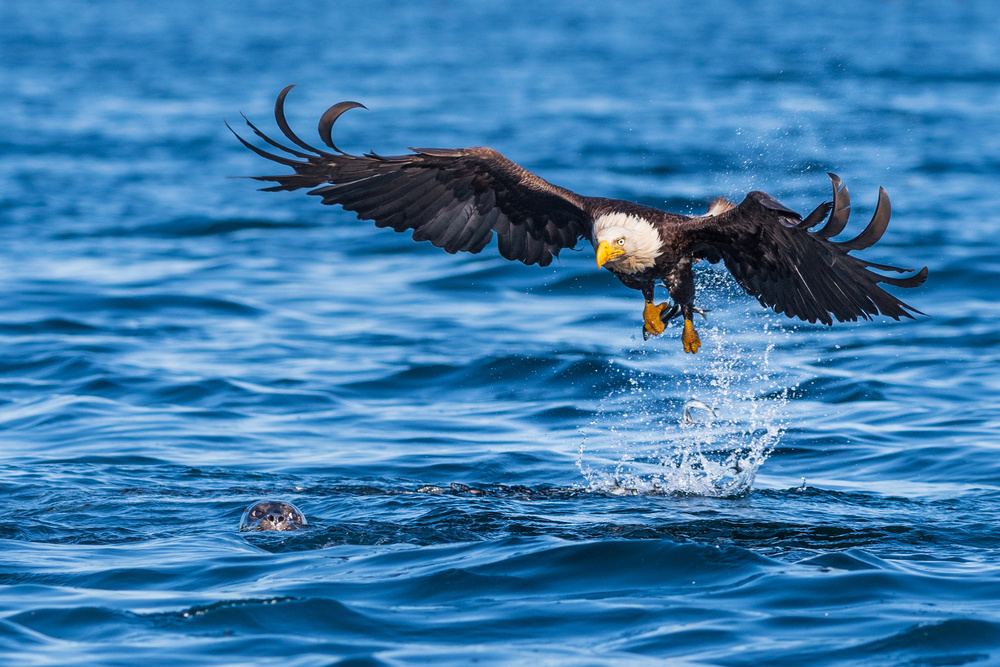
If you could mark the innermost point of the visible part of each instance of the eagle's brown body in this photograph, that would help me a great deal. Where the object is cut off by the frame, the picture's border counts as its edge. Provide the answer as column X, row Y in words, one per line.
column 459, row 199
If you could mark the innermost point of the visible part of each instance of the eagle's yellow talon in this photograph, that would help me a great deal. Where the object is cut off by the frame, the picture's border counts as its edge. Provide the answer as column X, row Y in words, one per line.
column 690, row 338
column 651, row 318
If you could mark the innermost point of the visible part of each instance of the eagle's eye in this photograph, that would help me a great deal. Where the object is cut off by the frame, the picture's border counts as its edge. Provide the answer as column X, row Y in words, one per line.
column 621, row 241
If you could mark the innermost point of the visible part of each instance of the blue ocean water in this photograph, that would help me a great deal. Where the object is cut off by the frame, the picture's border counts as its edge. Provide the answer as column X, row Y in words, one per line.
column 494, row 464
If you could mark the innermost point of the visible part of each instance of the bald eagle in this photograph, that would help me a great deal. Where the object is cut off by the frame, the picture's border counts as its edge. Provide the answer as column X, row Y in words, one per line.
column 459, row 198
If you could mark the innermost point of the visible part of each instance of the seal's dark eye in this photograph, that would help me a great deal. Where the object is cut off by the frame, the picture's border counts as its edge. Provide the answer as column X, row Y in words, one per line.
column 256, row 513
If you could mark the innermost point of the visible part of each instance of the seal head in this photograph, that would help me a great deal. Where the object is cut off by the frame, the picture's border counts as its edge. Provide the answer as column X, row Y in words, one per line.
column 272, row 515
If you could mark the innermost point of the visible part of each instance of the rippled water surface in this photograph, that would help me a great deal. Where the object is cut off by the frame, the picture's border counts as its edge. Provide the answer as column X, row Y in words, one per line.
column 494, row 465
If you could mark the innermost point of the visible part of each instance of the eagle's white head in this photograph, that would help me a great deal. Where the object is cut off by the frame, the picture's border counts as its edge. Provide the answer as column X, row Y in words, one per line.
column 626, row 243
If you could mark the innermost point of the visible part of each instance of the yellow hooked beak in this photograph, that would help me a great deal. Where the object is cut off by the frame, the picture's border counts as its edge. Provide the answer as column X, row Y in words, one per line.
column 605, row 253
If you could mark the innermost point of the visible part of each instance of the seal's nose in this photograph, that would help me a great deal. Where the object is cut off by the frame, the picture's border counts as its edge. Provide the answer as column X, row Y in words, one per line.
column 276, row 518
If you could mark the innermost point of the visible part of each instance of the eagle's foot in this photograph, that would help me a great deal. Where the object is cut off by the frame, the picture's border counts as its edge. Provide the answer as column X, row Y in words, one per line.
column 655, row 318
column 690, row 337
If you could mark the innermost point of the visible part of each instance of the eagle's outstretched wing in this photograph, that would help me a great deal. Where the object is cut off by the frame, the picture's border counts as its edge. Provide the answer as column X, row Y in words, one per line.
column 454, row 198
column 774, row 256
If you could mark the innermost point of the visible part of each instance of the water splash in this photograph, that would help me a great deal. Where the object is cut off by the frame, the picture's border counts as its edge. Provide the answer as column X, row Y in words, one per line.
column 641, row 443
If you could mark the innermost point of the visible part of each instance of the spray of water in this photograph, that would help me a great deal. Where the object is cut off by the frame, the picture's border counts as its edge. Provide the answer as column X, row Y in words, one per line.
column 640, row 441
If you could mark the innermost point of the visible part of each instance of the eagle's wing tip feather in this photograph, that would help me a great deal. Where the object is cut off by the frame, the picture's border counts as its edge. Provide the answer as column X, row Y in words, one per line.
column 330, row 117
